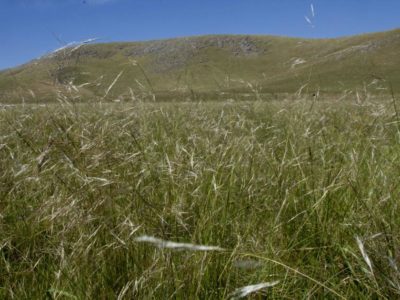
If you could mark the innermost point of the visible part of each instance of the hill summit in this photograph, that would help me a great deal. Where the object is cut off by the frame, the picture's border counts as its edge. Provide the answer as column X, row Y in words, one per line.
column 210, row 66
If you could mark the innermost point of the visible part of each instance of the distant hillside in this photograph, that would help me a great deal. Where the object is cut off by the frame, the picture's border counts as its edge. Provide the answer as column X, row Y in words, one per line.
column 210, row 66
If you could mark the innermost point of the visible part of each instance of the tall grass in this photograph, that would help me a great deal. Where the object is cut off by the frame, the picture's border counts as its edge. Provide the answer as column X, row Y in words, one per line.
column 300, row 199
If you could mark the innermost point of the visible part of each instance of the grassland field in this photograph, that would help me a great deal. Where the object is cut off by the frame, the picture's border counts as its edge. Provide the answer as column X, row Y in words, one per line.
column 303, row 194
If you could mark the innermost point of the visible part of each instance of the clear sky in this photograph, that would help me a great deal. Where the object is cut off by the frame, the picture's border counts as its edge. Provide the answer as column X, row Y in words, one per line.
column 31, row 28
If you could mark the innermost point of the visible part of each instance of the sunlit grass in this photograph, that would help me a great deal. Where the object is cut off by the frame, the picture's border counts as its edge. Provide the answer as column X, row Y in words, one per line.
column 298, row 197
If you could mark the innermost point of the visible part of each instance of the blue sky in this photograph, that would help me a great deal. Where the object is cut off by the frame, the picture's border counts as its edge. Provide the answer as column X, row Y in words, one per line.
column 31, row 28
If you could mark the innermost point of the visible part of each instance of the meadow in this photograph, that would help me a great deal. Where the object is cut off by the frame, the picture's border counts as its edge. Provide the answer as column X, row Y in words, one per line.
column 124, row 200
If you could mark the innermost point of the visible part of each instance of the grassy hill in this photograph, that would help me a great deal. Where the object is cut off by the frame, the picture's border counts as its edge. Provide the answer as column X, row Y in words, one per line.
column 204, row 199
column 211, row 66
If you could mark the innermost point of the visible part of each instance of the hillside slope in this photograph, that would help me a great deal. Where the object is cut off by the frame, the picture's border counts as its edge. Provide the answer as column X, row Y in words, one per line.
column 210, row 65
